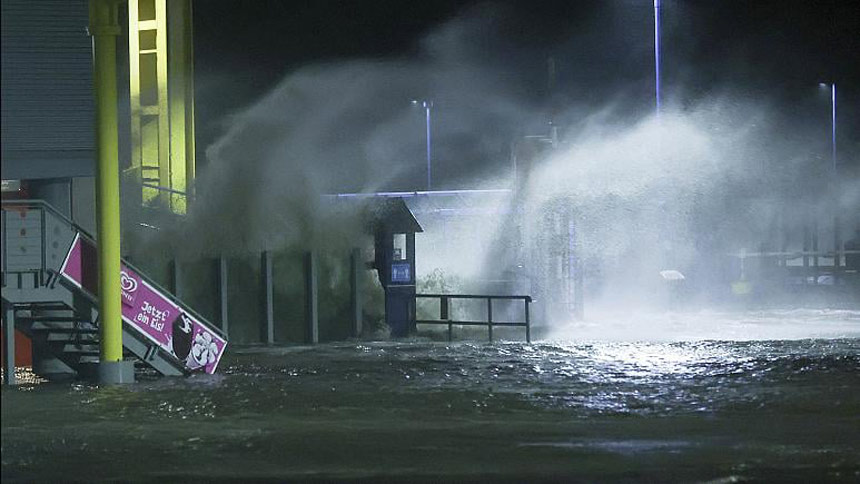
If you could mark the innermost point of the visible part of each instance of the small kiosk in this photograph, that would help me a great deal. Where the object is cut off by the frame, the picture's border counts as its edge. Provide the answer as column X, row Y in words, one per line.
column 394, row 229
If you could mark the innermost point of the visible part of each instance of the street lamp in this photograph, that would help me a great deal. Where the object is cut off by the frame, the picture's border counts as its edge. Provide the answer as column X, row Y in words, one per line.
column 832, row 86
column 657, row 9
column 837, row 242
column 427, row 105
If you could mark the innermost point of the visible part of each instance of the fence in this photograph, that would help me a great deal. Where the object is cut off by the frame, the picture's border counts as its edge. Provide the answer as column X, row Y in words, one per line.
column 444, row 311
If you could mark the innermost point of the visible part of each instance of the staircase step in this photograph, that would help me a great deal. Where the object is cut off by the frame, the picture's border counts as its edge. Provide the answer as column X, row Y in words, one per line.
column 53, row 318
column 94, row 359
column 88, row 337
column 47, row 306
column 65, row 326
column 87, row 349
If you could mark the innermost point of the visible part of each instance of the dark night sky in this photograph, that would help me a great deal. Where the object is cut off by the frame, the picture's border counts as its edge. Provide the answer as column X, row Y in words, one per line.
column 780, row 49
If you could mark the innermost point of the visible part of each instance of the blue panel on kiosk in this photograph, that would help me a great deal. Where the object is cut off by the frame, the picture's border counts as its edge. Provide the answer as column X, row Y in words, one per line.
column 401, row 273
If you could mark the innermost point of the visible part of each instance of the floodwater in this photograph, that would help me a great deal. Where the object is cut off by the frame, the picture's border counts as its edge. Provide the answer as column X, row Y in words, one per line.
column 706, row 411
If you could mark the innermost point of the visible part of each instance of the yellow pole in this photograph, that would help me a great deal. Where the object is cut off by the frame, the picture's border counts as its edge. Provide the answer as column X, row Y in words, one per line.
column 104, row 28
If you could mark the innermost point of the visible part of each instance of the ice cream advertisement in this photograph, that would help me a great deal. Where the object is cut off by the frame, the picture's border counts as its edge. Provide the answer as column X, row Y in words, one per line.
column 149, row 311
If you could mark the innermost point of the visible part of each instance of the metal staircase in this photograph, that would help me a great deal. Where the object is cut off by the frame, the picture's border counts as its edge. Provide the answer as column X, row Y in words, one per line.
column 59, row 316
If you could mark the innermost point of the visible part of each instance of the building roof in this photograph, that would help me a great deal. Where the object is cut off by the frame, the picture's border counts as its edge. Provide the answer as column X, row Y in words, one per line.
column 391, row 214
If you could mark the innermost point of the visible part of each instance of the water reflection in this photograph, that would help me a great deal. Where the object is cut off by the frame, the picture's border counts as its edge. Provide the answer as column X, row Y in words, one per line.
column 612, row 398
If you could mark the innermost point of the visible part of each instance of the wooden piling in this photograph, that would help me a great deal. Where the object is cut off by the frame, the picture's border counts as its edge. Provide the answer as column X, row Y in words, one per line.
column 311, row 299
column 356, row 265
column 222, row 294
column 268, row 296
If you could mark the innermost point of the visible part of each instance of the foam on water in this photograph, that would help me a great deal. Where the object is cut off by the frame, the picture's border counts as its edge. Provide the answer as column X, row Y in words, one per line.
column 638, row 325
column 697, row 410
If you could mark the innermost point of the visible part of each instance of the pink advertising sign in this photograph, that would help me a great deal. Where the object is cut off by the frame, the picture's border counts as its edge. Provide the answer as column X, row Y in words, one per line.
column 146, row 309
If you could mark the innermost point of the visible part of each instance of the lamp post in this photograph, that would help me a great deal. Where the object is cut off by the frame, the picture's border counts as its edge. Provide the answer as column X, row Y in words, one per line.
column 657, row 9
column 837, row 239
column 832, row 87
column 833, row 127
column 427, row 105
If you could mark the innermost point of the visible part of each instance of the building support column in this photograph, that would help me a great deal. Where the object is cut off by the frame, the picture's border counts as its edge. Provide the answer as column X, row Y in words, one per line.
column 9, row 344
column 104, row 29
column 837, row 247
column 311, row 299
column 222, row 294
column 268, row 297
column 356, row 266
column 815, row 249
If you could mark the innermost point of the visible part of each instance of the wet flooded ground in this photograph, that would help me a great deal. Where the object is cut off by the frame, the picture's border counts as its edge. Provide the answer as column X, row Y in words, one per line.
column 720, row 411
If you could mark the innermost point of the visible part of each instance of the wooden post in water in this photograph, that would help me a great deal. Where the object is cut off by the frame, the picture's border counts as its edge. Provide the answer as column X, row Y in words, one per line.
column 356, row 265
column 528, row 322
column 222, row 294
column 490, row 318
column 815, row 249
column 268, row 297
column 311, row 299
column 443, row 315
column 837, row 247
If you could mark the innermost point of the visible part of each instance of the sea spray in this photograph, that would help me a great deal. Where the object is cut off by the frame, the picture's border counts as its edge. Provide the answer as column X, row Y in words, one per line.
column 709, row 179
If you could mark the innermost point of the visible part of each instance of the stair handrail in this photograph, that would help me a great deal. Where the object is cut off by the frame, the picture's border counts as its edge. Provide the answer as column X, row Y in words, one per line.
column 168, row 294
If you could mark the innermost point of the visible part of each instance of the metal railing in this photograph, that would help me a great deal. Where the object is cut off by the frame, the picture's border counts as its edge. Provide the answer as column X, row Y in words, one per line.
column 797, row 254
column 445, row 319
column 38, row 207
column 53, row 273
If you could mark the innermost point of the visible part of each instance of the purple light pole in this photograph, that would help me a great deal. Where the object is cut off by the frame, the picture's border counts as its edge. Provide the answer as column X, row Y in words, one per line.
column 657, row 53
column 837, row 236
column 832, row 87
column 427, row 105
column 833, row 125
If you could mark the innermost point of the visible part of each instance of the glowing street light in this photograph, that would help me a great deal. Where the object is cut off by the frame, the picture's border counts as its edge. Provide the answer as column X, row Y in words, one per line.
column 427, row 105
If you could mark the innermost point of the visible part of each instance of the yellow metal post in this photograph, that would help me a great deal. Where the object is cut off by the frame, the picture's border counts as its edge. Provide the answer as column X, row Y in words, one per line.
column 104, row 29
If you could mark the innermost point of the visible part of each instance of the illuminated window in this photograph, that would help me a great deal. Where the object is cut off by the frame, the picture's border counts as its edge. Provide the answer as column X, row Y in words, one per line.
column 400, row 247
